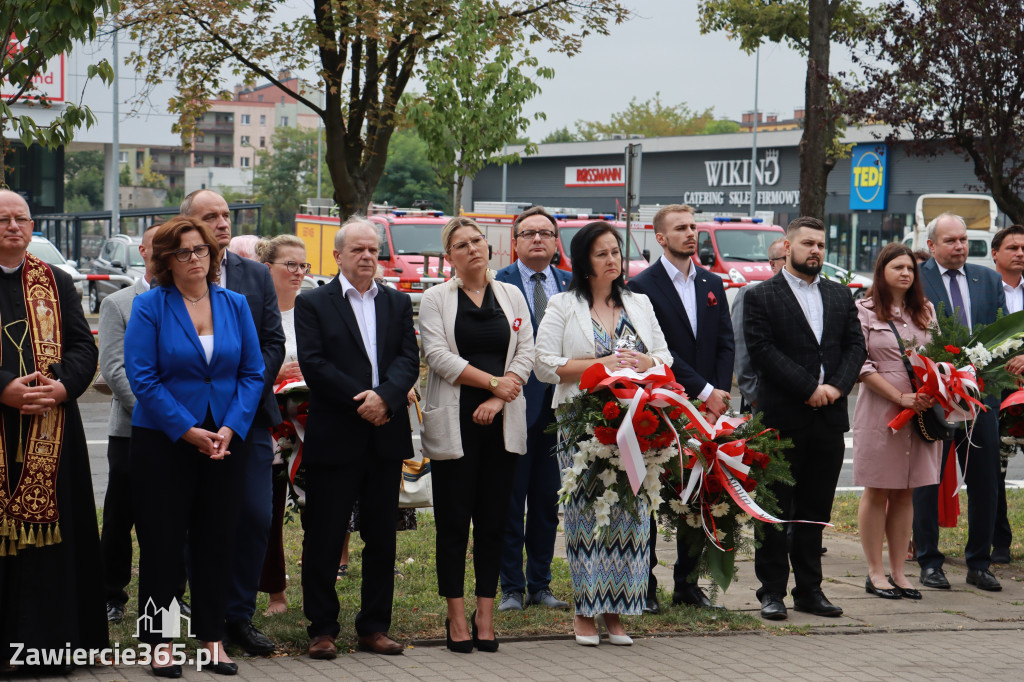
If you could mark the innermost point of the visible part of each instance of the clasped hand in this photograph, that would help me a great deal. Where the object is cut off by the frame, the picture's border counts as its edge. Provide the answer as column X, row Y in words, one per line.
column 824, row 394
column 507, row 390
column 37, row 399
column 919, row 402
column 373, row 408
column 627, row 359
column 487, row 411
column 212, row 444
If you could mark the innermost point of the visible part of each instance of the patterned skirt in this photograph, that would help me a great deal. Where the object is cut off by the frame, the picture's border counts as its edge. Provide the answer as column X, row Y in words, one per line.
column 609, row 573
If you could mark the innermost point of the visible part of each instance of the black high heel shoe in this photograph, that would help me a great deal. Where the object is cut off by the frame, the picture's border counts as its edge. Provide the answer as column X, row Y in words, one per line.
column 870, row 588
column 170, row 671
column 465, row 647
column 487, row 645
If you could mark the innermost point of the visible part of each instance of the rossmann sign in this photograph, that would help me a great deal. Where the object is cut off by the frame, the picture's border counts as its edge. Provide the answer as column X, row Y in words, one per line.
column 595, row 176
column 869, row 177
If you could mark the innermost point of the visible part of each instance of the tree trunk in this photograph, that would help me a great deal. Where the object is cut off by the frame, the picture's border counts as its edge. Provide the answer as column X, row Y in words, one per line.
column 816, row 139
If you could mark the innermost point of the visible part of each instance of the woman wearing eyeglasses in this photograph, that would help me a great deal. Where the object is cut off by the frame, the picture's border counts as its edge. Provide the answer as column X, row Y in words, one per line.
column 194, row 364
column 478, row 342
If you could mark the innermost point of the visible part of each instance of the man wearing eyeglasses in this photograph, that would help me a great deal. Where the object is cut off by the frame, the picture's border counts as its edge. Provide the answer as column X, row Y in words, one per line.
column 746, row 378
column 252, row 280
column 49, row 541
column 535, row 488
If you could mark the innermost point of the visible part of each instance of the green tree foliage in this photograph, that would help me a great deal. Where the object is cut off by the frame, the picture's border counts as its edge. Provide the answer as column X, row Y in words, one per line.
column 810, row 27
column 364, row 51
column 476, row 88
column 286, row 178
column 83, row 181
column 951, row 74
column 31, row 33
column 650, row 118
column 560, row 135
column 409, row 176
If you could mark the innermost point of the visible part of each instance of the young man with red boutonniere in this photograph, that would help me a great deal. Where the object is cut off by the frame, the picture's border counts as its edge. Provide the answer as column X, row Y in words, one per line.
column 973, row 294
column 689, row 303
column 1008, row 254
column 806, row 345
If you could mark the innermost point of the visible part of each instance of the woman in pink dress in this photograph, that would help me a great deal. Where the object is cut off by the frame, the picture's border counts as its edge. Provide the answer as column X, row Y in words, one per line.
column 890, row 465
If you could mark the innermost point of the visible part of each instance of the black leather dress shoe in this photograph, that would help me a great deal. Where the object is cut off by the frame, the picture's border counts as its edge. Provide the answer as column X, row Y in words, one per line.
column 905, row 592
column 772, row 607
column 652, row 606
column 983, row 580
column 934, row 578
column 692, row 595
column 818, row 604
column 1000, row 555
column 244, row 634
column 223, row 668
column 883, row 592
column 115, row 611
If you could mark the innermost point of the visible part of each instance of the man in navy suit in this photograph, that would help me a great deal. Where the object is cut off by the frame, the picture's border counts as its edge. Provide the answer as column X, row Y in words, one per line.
column 537, row 479
column 973, row 294
column 691, row 308
column 252, row 280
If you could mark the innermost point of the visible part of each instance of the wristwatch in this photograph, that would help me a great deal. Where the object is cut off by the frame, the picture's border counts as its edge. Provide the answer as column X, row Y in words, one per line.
column 494, row 383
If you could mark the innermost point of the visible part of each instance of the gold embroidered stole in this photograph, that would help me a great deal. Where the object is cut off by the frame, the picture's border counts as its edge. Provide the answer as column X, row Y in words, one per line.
column 28, row 516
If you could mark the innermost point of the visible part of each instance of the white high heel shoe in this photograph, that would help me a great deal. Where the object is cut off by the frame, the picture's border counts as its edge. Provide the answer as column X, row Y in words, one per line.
column 587, row 640
column 617, row 640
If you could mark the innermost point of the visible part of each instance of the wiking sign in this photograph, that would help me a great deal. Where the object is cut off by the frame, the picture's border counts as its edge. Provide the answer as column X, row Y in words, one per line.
column 736, row 172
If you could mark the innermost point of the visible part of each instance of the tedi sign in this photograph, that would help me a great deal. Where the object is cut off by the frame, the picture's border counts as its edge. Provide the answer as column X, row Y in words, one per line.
column 736, row 172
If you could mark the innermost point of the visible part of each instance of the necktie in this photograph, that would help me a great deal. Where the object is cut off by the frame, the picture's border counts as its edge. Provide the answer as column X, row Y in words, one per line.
column 956, row 298
column 540, row 298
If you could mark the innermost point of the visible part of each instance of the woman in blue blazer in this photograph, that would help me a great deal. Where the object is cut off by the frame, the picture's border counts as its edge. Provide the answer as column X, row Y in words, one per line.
column 194, row 363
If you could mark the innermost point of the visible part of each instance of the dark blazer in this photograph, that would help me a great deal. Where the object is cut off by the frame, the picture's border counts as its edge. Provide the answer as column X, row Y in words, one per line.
column 696, row 362
column 252, row 280
column 535, row 390
column 173, row 384
column 984, row 285
column 787, row 357
column 336, row 368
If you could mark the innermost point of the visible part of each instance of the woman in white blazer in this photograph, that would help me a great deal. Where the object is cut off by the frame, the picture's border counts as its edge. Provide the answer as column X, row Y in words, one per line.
column 478, row 342
column 598, row 320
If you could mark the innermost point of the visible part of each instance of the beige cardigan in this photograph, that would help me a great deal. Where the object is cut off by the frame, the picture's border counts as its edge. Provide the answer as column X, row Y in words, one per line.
column 567, row 333
column 441, row 435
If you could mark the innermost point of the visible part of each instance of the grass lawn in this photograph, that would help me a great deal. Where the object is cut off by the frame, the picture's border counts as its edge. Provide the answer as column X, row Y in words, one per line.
column 951, row 540
column 419, row 612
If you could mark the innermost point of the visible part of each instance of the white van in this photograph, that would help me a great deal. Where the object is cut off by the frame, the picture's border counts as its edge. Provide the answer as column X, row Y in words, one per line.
column 979, row 211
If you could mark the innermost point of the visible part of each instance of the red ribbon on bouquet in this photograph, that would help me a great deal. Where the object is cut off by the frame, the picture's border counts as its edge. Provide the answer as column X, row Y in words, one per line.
column 656, row 388
column 954, row 389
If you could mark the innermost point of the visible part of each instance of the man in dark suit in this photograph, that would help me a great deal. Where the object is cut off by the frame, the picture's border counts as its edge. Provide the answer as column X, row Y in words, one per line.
column 973, row 294
column 807, row 348
column 357, row 350
column 537, row 479
column 691, row 308
column 252, row 280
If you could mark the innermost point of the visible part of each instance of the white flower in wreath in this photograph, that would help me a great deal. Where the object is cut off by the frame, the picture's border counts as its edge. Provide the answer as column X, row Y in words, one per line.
column 610, row 496
column 579, row 464
column 602, row 451
column 693, row 521
column 654, row 499
column 652, row 479
column 720, row 535
column 608, row 477
column 679, row 507
column 979, row 356
column 1008, row 346
column 589, row 428
column 720, row 509
column 742, row 518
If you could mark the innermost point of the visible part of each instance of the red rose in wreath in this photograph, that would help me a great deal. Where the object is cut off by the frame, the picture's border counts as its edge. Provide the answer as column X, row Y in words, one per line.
column 647, row 423
column 953, row 349
column 605, row 434
column 611, row 410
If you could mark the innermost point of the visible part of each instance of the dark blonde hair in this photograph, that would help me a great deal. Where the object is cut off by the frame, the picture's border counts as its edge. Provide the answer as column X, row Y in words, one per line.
column 266, row 249
column 455, row 223
column 168, row 239
column 664, row 211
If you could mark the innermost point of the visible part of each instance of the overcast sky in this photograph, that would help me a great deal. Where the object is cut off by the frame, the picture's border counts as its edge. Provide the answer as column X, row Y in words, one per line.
column 662, row 50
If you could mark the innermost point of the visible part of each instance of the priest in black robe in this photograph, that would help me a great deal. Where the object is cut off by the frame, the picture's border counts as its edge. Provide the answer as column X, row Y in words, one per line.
column 50, row 578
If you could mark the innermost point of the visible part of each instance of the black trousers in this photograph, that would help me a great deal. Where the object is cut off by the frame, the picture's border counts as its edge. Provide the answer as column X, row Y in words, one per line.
column 982, row 478
column 182, row 494
column 815, row 461
column 1003, row 535
column 681, row 570
column 474, row 488
column 330, row 493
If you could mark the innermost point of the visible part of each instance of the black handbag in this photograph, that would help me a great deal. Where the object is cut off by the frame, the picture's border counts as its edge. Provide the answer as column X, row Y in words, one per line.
column 931, row 424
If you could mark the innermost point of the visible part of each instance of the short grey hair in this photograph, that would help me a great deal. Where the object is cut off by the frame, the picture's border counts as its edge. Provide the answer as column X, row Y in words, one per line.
column 186, row 203
column 354, row 221
column 774, row 245
column 935, row 221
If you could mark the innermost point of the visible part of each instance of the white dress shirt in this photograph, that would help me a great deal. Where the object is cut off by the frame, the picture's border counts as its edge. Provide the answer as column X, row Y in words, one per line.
column 809, row 298
column 549, row 283
column 224, row 269
column 687, row 291
column 961, row 282
column 1014, row 297
column 366, row 317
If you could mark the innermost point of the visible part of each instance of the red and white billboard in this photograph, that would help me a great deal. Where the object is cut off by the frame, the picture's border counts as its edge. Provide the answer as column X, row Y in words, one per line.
column 595, row 176
column 48, row 83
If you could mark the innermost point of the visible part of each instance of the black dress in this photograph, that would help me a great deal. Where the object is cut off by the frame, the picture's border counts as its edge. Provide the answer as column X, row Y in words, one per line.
column 51, row 596
column 478, row 485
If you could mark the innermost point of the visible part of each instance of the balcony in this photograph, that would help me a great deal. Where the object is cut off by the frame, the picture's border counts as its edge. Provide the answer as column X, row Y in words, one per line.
column 166, row 168
column 213, row 148
column 216, row 126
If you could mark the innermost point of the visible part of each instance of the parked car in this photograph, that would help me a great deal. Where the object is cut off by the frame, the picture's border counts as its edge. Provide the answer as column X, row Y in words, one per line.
column 43, row 249
column 838, row 274
column 119, row 255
